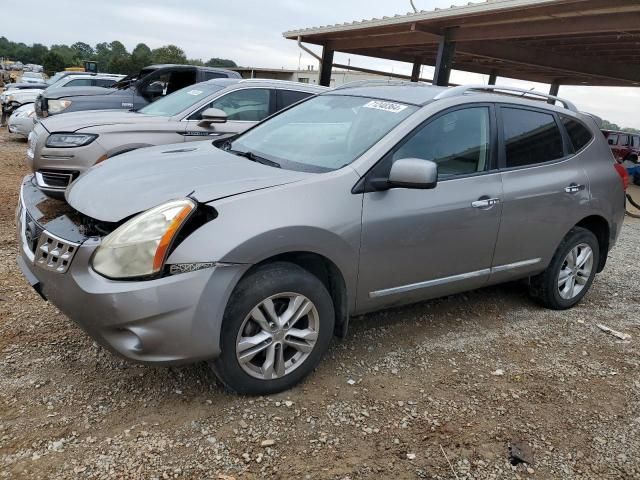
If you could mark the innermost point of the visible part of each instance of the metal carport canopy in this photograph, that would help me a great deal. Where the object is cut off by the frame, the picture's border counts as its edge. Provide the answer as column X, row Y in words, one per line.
column 570, row 42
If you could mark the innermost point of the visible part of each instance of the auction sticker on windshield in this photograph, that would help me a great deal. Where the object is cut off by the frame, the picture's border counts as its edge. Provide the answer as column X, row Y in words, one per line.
column 386, row 106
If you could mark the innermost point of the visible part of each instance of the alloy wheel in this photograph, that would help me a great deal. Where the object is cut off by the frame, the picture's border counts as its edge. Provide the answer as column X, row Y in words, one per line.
column 575, row 271
column 277, row 336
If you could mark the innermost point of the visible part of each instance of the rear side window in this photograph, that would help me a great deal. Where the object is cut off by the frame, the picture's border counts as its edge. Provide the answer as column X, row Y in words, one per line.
column 104, row 82
column 624, row 140
column 289, row 97
column 530, row 137
column 579, row 134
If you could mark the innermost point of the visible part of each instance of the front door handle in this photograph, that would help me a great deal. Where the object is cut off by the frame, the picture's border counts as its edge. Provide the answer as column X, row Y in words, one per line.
column 486, row 203
column 574, row 188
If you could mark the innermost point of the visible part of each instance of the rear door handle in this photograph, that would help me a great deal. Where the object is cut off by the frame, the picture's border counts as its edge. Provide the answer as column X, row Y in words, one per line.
column 486, row 203
column 574, row 188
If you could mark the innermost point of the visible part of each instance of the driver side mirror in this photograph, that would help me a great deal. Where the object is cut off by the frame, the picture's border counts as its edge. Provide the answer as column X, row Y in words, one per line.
column 212, row 115
column 413, row 173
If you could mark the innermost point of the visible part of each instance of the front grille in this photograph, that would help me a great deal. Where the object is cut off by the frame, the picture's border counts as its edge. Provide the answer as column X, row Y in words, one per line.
column 53, row 253
column 55, row 180
column 32, row 231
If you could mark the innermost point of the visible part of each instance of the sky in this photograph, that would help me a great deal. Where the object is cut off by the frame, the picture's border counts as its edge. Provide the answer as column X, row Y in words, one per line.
column 250, row 33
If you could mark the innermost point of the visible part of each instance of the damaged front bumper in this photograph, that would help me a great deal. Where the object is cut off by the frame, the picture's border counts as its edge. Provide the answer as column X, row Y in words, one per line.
column 174, row 319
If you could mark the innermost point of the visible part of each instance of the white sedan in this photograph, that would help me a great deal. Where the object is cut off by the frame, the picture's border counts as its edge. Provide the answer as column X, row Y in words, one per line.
column 21, row 121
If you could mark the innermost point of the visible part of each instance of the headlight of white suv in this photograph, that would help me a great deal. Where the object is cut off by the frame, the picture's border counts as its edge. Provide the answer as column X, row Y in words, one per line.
column 69, row 140
column 57, row 106
column 140, row 247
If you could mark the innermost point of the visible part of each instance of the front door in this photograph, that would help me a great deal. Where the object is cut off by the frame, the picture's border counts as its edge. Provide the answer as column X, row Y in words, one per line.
column 419, row 244
column 244, row 108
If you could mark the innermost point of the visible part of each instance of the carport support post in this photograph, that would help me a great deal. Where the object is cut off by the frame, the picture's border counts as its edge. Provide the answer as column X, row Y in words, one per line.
column 555, row 88
column 444, row 62
column 415, row 73
column 326, row 64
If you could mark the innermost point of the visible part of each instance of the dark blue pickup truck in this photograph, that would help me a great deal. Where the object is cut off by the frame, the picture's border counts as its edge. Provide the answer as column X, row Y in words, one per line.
column 131, row 93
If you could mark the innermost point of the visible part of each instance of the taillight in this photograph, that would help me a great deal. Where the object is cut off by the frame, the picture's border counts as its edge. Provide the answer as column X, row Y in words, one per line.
column 624, row 175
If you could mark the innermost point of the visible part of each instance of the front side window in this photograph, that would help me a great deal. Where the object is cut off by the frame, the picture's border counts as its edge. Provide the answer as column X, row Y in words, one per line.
column 530, row 137
column 612, row 139
column 246, row 105
column 635, row 141
column 624, row 140
column 579, row 134
column 458, row 141
column 79, row 82
column 324, row 133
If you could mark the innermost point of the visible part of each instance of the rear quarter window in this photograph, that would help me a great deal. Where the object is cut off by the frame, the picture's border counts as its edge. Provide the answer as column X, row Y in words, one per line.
column 579, row 134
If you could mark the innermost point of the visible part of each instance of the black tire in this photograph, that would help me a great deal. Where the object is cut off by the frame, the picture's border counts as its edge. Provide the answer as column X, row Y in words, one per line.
column 264, row 282
column 544, row 287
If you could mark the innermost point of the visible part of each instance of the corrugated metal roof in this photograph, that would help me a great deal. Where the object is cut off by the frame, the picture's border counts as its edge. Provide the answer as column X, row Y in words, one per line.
column 423, row 15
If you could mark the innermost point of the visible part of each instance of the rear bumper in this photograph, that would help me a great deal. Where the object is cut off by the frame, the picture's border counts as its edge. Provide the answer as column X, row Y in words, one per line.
column 170, row 320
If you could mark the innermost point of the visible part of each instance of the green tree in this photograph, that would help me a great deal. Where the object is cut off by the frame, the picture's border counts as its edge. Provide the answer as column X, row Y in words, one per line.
column 221, row 62
column 141, row 57
column 53, row 63
column 169, row 54
column 83, row 51
column 38, row 52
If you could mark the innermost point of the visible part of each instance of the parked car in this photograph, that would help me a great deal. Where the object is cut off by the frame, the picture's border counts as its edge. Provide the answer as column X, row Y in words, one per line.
column 253, row 255
column 624, row 145
column 11, row 100
column 21, row 120
column 132, row 92
column 32, row 77
column 64, row 146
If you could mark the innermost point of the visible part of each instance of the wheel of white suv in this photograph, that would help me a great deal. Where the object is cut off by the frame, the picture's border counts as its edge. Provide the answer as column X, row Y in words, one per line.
column 571, row 271
column 277, row 325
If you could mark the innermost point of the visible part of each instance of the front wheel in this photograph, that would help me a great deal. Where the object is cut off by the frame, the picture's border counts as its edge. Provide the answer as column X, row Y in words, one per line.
column 277, row 325
column 571, row 272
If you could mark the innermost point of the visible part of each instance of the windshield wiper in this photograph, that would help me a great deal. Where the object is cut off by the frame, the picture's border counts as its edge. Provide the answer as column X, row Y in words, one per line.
column 255, row 158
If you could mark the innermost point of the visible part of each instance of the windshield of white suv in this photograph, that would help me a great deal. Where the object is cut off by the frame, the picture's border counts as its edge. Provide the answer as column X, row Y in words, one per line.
column 180, row 101
column 33, row 75
column 55, row 78
column 322, row 134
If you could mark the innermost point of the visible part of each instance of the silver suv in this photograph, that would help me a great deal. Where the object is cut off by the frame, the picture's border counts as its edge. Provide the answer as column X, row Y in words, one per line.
column 253, row 256
column 62, row 147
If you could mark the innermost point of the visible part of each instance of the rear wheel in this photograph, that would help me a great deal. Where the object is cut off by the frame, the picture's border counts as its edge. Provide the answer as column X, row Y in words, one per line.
column 571, row 271
column 277, row 326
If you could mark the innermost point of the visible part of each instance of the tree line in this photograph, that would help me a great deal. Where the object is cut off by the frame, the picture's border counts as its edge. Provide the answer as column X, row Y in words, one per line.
column 112, row 57
column 607, row 125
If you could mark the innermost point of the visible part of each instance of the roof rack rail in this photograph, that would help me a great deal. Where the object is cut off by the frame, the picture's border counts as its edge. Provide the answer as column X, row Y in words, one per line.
column 374, row 83
column 463, row 89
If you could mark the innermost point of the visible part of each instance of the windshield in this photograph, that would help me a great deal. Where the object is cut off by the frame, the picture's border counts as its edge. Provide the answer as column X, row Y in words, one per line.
column 32, row 75
column 55, row 78
column 180, row 101
column 324, row 133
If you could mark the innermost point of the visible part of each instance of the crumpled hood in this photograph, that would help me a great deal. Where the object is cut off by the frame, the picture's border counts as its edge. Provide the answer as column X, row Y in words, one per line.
column 66, row 92
column 84, row 120
column 133, row 182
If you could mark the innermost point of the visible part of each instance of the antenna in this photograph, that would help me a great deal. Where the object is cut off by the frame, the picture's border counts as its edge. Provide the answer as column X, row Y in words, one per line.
column 415, row 10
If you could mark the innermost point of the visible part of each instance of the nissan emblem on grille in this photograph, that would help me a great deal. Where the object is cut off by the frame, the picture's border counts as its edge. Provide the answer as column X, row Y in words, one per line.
column 54, row 253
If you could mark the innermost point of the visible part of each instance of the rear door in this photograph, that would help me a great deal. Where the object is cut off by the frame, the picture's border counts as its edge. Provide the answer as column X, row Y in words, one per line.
column 244, row 108
column 546, row 189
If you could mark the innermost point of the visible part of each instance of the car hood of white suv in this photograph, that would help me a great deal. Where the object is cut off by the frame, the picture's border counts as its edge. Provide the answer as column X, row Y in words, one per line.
column 86, row 120
column 130, row 183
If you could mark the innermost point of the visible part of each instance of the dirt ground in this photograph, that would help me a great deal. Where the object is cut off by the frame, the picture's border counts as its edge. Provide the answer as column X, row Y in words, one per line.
column 436, row 390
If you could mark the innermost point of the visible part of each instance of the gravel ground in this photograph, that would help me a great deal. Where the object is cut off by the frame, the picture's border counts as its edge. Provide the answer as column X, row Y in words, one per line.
column 436, row 390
